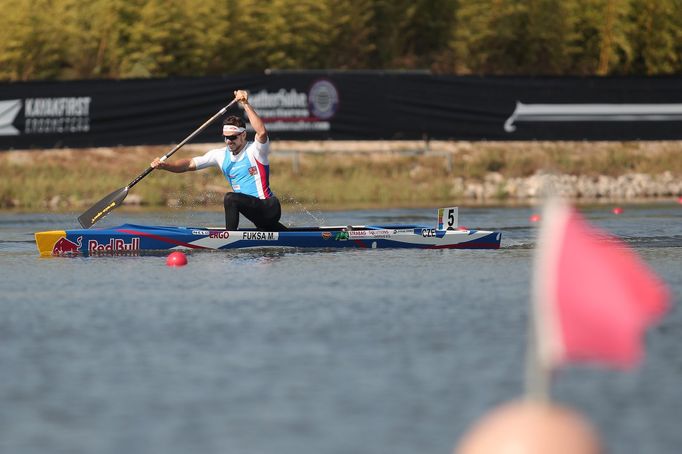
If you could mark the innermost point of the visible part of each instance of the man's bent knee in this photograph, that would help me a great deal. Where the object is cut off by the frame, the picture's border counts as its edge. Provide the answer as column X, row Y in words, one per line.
column 229, row 199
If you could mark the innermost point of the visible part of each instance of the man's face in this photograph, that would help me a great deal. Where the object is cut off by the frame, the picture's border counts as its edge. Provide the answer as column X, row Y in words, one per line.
column 235, row 142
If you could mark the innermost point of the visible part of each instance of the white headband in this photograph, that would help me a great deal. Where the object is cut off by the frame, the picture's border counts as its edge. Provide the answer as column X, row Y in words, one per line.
column 232, row 129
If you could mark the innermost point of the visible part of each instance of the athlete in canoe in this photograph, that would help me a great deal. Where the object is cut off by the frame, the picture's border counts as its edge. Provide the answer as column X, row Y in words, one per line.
column 246, row 167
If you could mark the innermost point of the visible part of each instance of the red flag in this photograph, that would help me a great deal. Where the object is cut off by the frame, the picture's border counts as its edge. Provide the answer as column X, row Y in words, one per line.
column 593, row 296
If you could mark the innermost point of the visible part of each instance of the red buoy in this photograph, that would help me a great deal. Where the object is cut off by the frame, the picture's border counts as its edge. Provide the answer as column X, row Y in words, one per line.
column 176, row 258
column 534, row 218
column 617, row 210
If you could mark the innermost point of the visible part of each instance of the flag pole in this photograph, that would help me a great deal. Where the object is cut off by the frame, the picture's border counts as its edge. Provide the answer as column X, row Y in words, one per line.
column 537, row 377
column 539, row 341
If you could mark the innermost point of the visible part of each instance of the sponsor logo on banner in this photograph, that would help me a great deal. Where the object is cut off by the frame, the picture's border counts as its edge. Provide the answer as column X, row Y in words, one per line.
column 222, row 234
column 8, row 112
column 289, row 109
column 59, row 115
column 527, row 113
column 200, row 232
column 260, row 236
column 326, row 235
column 323, row 99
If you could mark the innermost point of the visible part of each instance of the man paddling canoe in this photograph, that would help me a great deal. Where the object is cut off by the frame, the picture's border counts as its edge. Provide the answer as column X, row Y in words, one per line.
column 246, row 167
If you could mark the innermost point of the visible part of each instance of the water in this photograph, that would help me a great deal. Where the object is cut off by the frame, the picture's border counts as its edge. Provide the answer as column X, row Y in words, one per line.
column 353, row 351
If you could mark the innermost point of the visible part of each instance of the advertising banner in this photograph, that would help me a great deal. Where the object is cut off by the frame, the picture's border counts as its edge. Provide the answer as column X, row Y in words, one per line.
column 341, row 105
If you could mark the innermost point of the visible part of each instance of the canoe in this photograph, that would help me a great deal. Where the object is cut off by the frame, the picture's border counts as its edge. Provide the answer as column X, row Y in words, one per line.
column 131, row 238
column 134, row 239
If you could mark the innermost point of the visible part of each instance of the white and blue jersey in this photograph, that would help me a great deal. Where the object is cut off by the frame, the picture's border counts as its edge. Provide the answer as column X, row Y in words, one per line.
column 248, row 172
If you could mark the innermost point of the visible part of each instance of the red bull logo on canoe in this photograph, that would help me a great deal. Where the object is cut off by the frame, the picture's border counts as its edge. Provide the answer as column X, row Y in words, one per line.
column 114, row 245
column 64, row 246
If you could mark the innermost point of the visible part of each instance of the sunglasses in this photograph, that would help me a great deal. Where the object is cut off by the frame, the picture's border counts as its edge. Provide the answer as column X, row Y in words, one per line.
column 230, row 137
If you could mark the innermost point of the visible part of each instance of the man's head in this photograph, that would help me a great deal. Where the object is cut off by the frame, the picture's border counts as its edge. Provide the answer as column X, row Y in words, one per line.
column 234, row 133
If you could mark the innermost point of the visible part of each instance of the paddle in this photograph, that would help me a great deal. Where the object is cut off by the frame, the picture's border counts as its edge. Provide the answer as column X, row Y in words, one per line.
column 113, row 200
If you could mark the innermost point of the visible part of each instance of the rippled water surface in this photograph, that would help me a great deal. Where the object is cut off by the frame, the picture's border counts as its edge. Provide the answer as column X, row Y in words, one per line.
column 350, row 351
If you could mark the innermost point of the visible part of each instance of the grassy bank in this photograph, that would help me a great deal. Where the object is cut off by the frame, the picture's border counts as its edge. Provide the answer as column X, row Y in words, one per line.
column 327, row 174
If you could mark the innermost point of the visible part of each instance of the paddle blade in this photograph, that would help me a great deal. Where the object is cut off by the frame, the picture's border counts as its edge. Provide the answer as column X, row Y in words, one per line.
column 102, row 208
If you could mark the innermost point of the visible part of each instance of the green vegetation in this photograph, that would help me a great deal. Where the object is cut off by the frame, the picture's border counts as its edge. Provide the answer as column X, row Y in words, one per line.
column 75, row 179
column 72, row 39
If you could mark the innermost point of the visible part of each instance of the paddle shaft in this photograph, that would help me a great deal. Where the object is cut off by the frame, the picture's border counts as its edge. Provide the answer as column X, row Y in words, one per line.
column 111, row 201
column 181, row 144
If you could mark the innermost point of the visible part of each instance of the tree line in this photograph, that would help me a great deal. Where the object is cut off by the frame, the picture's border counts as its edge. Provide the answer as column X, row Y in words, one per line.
column 76, row 39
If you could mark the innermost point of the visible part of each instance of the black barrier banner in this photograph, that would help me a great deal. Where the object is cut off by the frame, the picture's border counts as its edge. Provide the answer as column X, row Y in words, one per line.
column 343, row 106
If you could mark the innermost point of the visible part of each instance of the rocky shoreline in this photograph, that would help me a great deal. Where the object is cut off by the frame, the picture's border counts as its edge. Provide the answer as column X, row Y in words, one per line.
column 339, row 174
column 498, row 186
column 631, row 187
